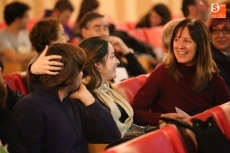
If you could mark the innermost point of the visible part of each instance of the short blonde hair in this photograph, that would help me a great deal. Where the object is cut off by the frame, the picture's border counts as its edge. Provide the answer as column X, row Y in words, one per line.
column 167, row 32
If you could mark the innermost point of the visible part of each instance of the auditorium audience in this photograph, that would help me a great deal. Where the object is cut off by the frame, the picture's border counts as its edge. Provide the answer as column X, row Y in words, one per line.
column 15, row 43
column 158, row 15
column 53, row 122
column 187, row 79
column 220, row 35
column 85, row 7
column 94, row 24
column 196, row 9
column 62, row 10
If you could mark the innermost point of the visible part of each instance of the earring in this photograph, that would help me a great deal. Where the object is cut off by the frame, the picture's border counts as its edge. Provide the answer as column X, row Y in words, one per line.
column 99, row 70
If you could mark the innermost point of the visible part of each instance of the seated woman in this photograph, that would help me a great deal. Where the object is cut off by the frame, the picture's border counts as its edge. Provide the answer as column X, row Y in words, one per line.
column 187, row 79
column 220, row 35
column 158, row 15
column 53, row 122
column 9, row 129
column 100, row 68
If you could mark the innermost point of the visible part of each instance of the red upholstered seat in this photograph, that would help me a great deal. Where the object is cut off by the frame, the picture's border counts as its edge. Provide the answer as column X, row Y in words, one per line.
column 142, row 78
column 154, row 36
column 225, row 119
column 128, row 88
column 221, row 114
column 165, row 140
column 20, row 83
column 138, row 33
column 10, row 81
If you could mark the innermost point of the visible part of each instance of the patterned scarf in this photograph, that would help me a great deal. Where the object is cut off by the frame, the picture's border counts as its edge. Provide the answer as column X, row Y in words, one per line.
column 110, row 98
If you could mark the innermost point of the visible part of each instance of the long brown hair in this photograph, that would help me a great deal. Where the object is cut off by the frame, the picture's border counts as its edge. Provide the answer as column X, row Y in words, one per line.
column 3, row 92
column 96, row 49
column 205, row 66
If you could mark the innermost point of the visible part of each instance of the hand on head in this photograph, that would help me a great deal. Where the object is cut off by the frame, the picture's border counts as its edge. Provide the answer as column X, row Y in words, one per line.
column 45, row 65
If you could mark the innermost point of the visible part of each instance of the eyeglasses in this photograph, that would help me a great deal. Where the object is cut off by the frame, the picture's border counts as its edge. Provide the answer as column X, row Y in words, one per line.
column 224, row 31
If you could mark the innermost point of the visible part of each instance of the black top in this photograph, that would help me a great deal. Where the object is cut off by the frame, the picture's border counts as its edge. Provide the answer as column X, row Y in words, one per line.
column 13, row 96
column 10, row 133
column 223, row 64
column 50, row 125
column 133, row 67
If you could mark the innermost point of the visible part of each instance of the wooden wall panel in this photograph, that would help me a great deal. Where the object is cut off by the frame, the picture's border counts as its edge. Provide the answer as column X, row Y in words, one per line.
column 119, row 10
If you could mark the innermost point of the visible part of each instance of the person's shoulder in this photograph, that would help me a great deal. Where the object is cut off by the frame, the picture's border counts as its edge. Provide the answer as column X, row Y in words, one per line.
column 5, row 113
column 159, row 70
column 216, row 78
column 23, row 32
column 29, row 101
column 217, row 55
column 4, row 34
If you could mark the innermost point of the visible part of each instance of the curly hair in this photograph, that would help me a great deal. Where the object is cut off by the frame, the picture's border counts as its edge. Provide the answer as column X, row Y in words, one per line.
column 44, row 32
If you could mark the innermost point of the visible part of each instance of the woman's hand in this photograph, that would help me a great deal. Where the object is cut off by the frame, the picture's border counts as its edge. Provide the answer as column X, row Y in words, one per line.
column 45, row 65
column 83, row 95
column 172, row 115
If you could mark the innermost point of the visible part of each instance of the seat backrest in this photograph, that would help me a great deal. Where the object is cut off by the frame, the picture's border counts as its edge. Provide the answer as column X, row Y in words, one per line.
column 165, row 140
column 225, row 119
column 142, row 78
column 128, row 88
column 154, row 36
column 10, row 81
column 220, row 114
column 20, row 83
column 138, row 33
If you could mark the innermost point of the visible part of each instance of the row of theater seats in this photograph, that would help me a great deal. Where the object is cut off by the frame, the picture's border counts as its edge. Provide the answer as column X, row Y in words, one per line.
column 167, row 139
column 16, row 81
column 128, row 88
column 152, row 36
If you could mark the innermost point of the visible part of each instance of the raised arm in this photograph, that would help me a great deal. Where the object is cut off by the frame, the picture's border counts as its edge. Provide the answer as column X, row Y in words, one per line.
column 99, row 123
column 132, row 65
column 43, row 65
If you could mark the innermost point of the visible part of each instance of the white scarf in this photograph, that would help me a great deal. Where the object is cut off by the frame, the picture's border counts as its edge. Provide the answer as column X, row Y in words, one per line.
column 110, row 98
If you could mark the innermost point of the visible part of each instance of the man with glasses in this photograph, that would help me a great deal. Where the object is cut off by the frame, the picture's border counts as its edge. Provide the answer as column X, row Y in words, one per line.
column 197, row 9
column 220, row 35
